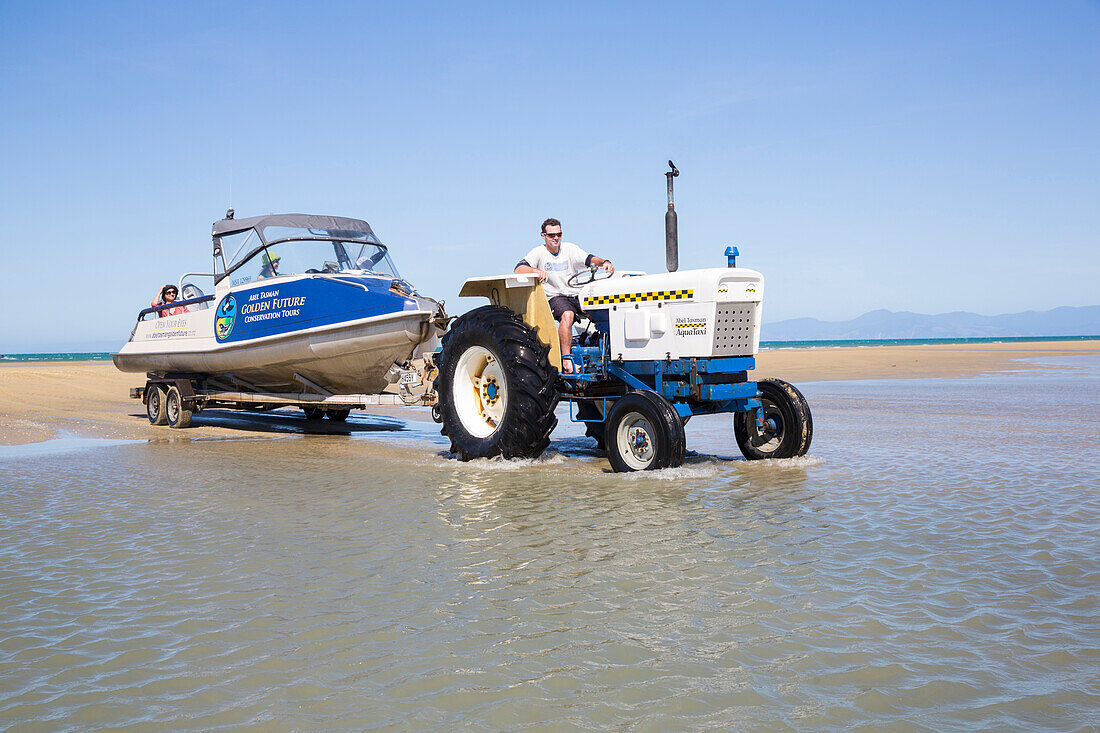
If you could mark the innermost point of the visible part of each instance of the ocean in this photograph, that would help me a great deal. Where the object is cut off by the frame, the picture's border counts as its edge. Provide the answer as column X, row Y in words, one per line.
column 58, row 356
column 932, row 564
column 106, row 356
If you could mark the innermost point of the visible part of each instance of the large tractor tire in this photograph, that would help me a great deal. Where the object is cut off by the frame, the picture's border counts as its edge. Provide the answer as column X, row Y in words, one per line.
column 497, row 390
column 788, row 425
column 644, row 433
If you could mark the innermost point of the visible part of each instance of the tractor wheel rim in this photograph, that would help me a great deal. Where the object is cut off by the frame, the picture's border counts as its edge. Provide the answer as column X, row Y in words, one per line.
column 635, row 439
column 480, row 391
column 771, row 436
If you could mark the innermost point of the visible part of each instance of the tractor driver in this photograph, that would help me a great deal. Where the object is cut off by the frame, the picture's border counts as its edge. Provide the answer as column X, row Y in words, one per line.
column 555, row 262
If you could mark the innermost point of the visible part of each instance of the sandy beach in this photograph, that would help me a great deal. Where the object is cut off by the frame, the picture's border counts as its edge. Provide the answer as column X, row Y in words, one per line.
column 39, row 399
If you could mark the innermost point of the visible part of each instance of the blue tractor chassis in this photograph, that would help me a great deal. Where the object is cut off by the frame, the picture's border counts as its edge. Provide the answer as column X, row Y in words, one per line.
column 694, row 386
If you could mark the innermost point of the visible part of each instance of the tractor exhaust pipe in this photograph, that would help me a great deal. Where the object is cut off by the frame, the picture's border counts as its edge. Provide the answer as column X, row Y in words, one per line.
column 672, row 247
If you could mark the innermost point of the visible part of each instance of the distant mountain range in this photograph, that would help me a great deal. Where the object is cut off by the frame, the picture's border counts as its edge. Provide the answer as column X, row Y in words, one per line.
column 884, row 324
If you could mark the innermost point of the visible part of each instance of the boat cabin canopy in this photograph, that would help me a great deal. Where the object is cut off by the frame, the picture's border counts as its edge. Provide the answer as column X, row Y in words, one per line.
column 351, row 243
column 294, row 221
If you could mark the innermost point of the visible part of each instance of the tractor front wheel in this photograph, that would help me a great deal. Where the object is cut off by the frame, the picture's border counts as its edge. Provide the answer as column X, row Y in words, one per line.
column 644, row 433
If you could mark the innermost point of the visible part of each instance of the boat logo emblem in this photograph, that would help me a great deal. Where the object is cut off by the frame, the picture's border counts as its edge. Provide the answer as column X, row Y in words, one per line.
column 227, row 314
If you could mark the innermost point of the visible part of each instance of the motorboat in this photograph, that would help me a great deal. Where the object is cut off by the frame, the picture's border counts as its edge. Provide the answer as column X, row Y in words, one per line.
column 299, row 301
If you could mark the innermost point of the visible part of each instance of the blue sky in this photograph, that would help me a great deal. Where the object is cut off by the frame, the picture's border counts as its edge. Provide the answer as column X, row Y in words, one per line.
column 912, row 156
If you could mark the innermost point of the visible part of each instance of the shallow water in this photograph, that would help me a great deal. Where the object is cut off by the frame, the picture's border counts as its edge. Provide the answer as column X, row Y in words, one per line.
column 931, row 564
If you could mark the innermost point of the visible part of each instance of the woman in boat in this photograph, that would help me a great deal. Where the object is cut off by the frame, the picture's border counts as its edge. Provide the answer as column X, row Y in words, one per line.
column 166, row 297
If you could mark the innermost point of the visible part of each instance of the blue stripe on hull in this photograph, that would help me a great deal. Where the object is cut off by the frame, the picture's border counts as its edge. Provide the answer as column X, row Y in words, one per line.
column 281, row 307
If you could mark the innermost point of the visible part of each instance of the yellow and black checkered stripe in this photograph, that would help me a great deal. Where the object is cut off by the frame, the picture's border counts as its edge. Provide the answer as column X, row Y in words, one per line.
column 599, row 300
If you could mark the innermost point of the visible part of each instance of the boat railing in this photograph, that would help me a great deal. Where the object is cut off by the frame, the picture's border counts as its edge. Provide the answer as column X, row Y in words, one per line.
column 174, row 304
column 333, row 279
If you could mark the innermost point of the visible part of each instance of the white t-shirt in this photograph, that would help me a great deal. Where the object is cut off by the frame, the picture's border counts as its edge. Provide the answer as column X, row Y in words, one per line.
column 569, row 260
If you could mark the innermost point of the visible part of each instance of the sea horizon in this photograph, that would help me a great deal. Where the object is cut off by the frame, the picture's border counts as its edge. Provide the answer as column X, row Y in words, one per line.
column 52, row 356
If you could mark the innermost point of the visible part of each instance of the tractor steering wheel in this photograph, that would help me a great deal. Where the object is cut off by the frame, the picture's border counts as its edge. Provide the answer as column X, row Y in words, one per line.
column 595, row 273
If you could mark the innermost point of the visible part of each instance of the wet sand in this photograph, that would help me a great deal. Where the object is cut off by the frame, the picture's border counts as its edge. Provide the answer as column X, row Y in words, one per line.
column 39, row 400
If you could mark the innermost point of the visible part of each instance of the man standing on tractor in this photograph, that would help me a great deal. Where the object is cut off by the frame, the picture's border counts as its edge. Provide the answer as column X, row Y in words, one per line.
column 555, row 262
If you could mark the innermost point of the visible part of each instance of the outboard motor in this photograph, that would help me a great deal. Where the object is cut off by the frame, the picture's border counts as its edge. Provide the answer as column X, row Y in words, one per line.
column 672, row 251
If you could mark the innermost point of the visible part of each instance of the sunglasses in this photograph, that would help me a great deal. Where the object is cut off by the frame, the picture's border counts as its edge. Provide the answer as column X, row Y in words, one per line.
column 554, row 235
column 170, row 292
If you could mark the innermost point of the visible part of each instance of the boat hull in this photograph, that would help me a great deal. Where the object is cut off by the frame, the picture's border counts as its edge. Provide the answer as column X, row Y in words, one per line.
column 351, row 356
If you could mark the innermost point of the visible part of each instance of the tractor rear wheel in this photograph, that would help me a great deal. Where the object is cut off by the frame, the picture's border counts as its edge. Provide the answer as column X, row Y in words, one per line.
column 497, row 390
column 788, row 425
column 644, row 433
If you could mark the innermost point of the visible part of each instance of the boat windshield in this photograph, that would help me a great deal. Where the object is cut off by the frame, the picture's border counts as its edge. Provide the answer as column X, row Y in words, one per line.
column 316, row 256
column 277, row 233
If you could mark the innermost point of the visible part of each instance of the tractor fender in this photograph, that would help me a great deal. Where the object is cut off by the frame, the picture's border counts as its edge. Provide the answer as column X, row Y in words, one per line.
column 524, row 296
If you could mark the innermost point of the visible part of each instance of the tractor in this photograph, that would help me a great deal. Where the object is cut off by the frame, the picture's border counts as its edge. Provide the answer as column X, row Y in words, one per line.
column 655, row 351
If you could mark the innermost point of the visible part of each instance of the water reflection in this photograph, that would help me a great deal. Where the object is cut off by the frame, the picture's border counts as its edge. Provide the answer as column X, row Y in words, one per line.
column 63, row 443
column 293, row 421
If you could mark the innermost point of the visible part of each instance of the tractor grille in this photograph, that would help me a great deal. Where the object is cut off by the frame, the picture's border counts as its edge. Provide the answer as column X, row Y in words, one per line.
column 733, row 329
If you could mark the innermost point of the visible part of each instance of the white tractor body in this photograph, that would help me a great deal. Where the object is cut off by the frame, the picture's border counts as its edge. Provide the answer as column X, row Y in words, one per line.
column 713, row 312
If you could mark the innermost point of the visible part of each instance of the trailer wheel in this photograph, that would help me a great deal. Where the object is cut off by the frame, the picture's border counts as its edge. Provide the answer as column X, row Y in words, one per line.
column 313, row 413
column 497, row 390
column 338, row 415
column 788, row 423
column 179, row 415
column 644, row 433
column 155, row 395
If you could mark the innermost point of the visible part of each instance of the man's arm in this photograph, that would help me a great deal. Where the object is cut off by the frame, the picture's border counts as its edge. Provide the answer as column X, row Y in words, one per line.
column 600, row 262
column 525, row 269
